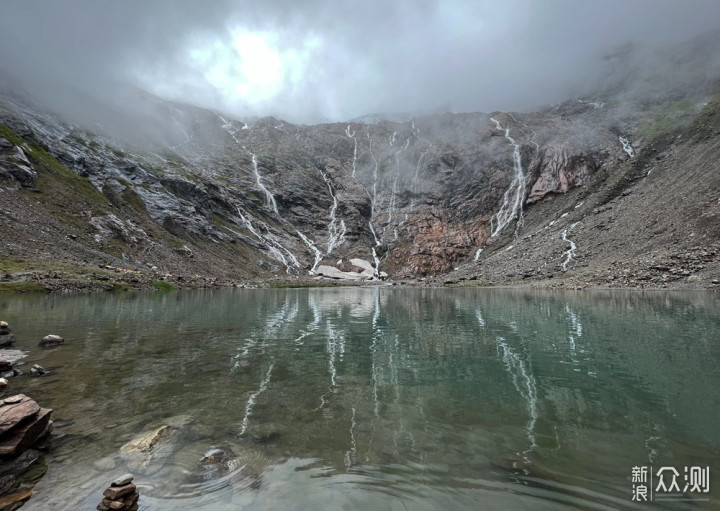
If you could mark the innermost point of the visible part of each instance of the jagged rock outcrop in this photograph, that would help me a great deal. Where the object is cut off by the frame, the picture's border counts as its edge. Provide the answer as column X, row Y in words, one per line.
column 559, row 169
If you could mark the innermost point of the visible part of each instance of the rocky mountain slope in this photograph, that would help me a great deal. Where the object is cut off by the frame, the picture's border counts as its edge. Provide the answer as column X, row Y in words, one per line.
column 618, row 188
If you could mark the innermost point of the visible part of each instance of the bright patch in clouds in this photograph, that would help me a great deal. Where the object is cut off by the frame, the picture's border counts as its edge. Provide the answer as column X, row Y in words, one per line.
column 252, row 67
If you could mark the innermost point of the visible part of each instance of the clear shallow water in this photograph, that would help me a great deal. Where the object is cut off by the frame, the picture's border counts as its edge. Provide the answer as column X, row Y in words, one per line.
column 381, row 399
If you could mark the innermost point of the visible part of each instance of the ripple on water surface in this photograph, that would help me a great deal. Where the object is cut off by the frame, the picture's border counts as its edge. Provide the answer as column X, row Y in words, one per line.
column 372, row 398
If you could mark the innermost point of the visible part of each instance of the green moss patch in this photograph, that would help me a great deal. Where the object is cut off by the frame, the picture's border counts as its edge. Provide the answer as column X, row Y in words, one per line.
column 161, row 285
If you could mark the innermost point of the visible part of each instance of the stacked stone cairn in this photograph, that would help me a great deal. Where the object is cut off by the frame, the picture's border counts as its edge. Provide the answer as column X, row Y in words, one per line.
column 6, row 338
column 121, row 495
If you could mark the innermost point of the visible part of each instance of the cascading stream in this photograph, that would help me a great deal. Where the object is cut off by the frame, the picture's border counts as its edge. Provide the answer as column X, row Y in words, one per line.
column 275, row 248
column 313, row 248
column 569, row 254
column 627, row 147
column 269, row 197
column 336, row 230
column 352, row 135
column 511, row 207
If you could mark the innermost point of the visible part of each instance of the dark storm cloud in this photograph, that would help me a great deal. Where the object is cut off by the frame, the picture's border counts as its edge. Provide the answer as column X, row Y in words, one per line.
column 334, row 59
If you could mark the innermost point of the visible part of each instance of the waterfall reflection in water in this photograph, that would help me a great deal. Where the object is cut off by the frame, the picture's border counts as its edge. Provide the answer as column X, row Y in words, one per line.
column 373, row 398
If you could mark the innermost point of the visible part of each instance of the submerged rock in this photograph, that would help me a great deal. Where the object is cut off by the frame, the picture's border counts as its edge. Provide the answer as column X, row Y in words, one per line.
column 52, row 340
column 149, row 452
column 38, row 370
column 145, row 442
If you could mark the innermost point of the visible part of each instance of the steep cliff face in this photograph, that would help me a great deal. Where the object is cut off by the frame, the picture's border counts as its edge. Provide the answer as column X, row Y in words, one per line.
column 458, row 194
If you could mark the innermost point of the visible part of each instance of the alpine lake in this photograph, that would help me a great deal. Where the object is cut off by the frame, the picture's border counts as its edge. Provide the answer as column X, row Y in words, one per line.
column 375, row 398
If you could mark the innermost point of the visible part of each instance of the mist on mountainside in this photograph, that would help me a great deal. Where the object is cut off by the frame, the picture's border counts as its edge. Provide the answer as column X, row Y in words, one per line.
column 332, row 61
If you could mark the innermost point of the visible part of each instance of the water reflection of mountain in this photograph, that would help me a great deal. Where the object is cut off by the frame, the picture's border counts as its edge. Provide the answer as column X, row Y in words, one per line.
column 463, row 379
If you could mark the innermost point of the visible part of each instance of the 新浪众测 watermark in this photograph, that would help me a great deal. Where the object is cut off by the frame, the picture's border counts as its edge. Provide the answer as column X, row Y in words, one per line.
column 669, row 483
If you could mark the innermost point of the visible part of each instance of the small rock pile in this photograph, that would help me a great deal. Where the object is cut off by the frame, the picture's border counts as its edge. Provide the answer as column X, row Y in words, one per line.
column 6, row 338
column 121, row 495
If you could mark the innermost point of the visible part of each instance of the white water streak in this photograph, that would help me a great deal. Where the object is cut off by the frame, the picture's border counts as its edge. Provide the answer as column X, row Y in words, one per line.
column 336, row 230
column 595, row 104
column 352, row 135
column 569, row 254
column 627, row 147
column 477, row 254
column 350, row 454
column 511, row 207
column 479, row 316
column 269, row 197
column 253, row 397
column 525, row 384
column 314, row 249
column 275, row 248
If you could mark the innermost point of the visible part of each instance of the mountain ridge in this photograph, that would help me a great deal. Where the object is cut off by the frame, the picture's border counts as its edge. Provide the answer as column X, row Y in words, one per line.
column 439, row 199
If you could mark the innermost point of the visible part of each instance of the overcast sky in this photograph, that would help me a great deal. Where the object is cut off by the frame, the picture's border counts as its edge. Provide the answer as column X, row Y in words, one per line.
column 335, row 59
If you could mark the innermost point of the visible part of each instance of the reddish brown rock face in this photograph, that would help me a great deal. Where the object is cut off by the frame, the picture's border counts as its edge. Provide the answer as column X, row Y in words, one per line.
column 438, row 245
column 559, row 169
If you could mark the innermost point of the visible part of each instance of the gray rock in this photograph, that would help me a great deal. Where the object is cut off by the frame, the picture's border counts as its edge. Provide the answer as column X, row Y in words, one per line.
column 52, row 340
column 38, row 370
column 123, row 480
column 6, row 340
column 105, row 464
column 334, row 273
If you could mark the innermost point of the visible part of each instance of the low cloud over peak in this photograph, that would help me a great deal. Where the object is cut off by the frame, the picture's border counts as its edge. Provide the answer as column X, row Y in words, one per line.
column 334, row 60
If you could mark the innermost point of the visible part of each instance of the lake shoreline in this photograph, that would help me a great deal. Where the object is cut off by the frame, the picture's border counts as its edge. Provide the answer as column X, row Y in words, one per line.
column 88, row 279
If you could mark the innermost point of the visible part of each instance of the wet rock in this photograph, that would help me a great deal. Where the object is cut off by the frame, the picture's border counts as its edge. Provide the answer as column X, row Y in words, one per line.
column 123, row 480
column 6, row 337
column 120, row 497
column 216, row 463
column 5, row 365
column 13, row 356
column 144, row 443
column 22, row 424
column 15, row 411
column 38, row 370
column 3, row 383
column 6, row 340
column 14, row 498
column 104, row 464
column 149, row 452
column 52, row 340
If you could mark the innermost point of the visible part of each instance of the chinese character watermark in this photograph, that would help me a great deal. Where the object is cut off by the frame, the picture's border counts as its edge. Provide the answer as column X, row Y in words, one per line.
column 668, row 483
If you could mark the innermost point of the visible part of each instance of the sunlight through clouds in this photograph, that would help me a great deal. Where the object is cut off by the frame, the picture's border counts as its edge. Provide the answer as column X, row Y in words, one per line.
column 253, row 67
